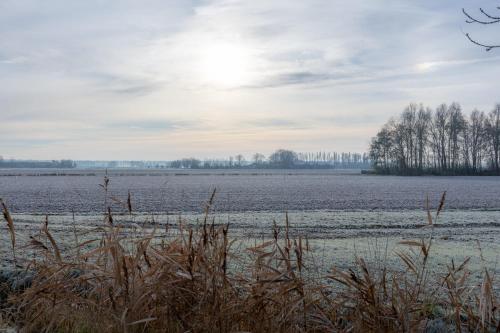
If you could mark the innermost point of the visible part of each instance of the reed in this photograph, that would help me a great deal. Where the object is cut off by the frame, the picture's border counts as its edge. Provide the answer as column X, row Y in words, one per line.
column 195, row 280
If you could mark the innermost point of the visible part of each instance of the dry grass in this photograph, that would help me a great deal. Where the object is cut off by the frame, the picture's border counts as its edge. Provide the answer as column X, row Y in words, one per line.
column 194, row 281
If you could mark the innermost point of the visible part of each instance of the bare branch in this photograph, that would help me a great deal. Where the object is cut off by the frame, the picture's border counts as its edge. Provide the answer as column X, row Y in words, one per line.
column 487, row 47
column 496, row 18
column 472, row 19
column 491, row 20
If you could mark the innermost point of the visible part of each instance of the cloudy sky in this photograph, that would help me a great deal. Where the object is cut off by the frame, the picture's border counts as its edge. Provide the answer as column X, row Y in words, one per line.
column 166, row 79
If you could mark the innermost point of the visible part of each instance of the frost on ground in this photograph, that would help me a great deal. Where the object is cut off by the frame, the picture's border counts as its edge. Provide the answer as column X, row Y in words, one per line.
column 335, row 236
column 341, row 213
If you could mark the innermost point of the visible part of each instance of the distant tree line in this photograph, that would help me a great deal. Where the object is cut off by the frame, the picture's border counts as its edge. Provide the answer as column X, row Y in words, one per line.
column 282, row 159
column 11, row 163
column 440, row 141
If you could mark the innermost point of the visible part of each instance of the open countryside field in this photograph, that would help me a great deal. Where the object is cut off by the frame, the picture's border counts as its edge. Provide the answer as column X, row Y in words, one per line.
column 342, row 212
column 46, row 192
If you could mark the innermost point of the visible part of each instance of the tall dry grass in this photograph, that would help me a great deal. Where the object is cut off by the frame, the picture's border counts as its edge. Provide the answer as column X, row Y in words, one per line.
column 196, row 281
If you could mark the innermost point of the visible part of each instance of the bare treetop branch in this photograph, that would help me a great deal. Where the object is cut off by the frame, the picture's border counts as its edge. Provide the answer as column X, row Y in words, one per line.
column 472, row 19
column 487, row 47
column 490, row 19
column 495, row 18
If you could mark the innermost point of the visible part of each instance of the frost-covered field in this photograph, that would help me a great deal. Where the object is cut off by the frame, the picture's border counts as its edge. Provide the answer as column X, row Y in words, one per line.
column 339, row 212
column 241, row 191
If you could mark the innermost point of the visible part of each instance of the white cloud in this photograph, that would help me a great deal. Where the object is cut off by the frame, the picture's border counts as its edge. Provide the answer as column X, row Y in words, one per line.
column 324, row 74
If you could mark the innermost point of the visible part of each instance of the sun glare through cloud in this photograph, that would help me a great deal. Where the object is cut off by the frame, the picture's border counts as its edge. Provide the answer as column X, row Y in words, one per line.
column 426, row 66
column 225, row 65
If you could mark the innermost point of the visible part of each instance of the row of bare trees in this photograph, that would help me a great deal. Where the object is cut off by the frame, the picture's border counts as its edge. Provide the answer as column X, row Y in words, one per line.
column 440, row 141
column 31, row 164
column 281, row 158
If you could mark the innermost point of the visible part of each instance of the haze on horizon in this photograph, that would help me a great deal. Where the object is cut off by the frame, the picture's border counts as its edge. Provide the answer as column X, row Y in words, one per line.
column 162, row 80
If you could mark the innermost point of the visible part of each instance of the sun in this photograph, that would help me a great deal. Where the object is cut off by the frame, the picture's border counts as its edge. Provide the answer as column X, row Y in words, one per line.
column 225, row 65
column 426, row 66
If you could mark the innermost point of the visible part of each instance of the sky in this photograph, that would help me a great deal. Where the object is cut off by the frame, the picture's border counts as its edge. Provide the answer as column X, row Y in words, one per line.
column 161, row 80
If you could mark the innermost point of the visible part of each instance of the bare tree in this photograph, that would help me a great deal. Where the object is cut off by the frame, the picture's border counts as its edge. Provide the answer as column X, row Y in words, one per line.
column 439, row 126
column 239, row 160
column 258, row 158
column 456, row 126
column 476, row 133
column 380, row 149
column 421, row 132
column 493, row 130
column 407, row 123
column 283, row 158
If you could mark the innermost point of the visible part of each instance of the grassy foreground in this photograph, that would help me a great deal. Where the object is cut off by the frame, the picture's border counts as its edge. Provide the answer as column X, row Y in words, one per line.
column 193, row 280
